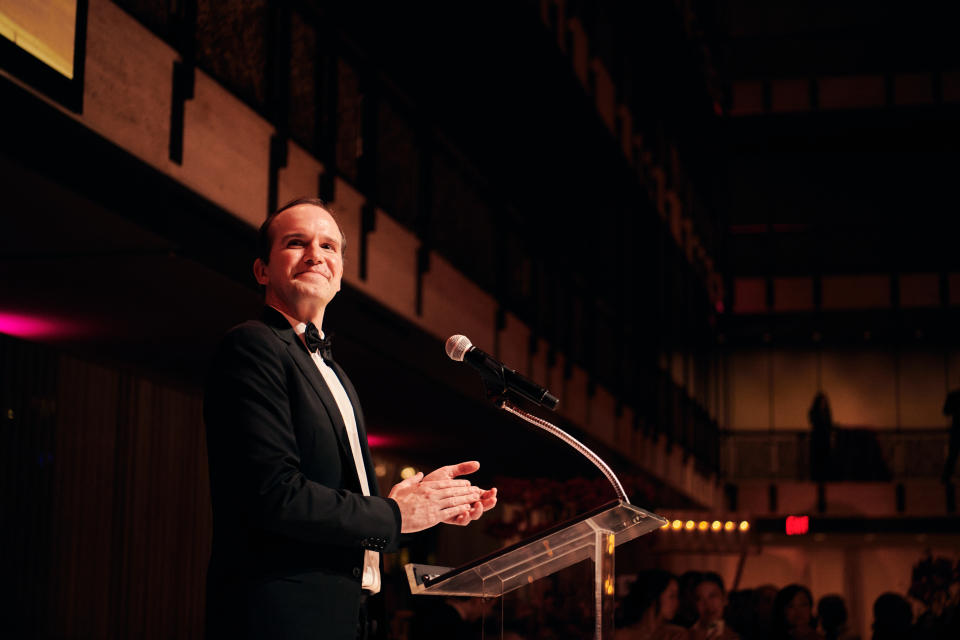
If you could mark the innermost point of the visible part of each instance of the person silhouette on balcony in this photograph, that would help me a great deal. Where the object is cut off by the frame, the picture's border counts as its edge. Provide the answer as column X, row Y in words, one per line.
column 952, row 408
column 821, row 432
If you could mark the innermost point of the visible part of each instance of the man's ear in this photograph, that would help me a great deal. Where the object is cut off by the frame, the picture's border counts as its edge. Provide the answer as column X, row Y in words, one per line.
column 260, row 272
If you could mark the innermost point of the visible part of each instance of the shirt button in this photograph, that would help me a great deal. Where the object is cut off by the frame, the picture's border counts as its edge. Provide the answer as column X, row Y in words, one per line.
column 356, row 572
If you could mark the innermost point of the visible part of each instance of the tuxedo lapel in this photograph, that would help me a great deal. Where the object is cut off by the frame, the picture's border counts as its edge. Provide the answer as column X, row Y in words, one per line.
column 361, row 428
column 298, row 352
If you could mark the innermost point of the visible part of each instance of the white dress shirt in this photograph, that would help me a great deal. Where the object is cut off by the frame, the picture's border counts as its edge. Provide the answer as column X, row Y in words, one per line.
column 371, row 559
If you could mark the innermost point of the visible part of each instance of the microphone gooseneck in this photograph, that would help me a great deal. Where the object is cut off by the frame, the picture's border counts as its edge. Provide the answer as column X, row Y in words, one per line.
column 501, row 382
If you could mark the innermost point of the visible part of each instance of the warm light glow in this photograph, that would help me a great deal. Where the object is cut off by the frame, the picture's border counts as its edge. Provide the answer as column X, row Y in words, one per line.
column 715, row 525
column 407, row 472
column 608, row 586
column 690, row 525
column 729, row 526
column 665, row 525
column 677, row 525
column 703, row 525
column 380, row 470
column 43, row 29
column 611, row 543
column 744, row 526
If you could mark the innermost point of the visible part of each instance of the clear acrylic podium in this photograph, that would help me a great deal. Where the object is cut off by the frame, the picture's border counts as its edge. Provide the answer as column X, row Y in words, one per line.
column 594, row 535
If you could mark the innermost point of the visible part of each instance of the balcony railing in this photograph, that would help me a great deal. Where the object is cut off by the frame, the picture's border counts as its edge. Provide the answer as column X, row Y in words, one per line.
column 856, row 454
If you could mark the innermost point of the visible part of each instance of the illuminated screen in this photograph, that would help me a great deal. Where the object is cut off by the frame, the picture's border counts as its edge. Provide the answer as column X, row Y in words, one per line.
column 43, row 28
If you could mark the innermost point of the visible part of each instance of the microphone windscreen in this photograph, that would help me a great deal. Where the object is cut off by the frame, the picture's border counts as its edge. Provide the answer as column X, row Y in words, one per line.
column 457, row 347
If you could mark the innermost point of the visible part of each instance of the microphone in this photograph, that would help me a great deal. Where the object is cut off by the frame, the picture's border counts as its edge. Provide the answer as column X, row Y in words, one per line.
column 494, row 373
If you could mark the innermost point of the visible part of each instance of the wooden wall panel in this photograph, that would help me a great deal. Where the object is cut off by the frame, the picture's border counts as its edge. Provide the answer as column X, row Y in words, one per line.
column 539, row 371
column 923, row 389
column 792, row 294
column 912, row 88
column 224, row 167
column 749, row 295
column 790, row 95
column 852, row 92
column 794, row 387
column 919, row 290
column 575, row 407
column 128, row 84
column 861, row 387
column 514, row 343
column 300, row 178
column 453, row 304
column 347, row 209
column 856, row 292
column 602, row 417
column 392, row 266
column 750, row 390
column 952, row 366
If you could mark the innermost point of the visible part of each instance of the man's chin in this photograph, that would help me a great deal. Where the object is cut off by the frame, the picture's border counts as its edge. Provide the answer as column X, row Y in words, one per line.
column 314, row 292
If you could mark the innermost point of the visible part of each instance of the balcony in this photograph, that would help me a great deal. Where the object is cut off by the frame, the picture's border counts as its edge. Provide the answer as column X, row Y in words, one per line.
column 857, row 455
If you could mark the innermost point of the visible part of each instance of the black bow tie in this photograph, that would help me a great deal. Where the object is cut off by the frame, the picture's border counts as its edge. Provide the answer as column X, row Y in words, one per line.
column 311, row 336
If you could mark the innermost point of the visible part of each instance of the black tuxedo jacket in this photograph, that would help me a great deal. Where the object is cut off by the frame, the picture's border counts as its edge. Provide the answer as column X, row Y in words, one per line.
column 290, row 523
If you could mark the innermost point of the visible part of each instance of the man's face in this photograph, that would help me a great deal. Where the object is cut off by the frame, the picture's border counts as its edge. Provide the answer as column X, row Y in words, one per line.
column 710, row 602
column 306, row 260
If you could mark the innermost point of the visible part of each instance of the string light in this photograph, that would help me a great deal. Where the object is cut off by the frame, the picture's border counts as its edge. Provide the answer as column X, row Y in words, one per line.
column 714, row 526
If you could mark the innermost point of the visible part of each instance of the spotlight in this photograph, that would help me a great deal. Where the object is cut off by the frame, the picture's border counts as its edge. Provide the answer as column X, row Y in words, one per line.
column 744, row 526
column 407, row 472
column 690, row 525
column 715, row 525
column 703, row 526
column 676, row 525
column 729, row 526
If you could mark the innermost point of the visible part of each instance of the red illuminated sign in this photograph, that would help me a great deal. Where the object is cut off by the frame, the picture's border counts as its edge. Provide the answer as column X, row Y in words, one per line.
column 797, row 525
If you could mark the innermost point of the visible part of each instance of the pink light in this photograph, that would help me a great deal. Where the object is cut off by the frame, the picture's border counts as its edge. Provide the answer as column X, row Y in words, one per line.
column 379, row 441
column 27, row 326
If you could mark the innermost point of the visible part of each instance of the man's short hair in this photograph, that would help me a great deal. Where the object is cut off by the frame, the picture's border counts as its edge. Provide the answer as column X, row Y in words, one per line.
column 715, row 578
column 264, row 241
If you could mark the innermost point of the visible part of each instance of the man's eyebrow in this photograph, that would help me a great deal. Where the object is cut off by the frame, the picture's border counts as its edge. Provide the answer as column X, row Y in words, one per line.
column 304, row 234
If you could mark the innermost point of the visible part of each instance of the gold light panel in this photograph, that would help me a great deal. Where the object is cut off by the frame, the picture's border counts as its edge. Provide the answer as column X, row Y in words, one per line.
column 43, row 28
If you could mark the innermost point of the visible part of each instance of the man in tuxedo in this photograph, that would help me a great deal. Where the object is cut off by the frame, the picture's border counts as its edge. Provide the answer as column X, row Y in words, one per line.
column 298, row 522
